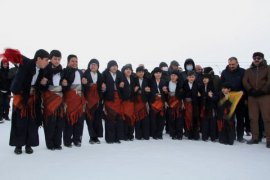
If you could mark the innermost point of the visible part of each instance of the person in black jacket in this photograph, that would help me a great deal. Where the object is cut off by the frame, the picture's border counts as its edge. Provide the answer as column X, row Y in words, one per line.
column 157, row 104
column 142, row 91
column 208, row 101
column 53, row 106
column 26, row 113
column 93, row 86
column 114, row 81
column 191, row 104
column 5, row 83
column 175, row 104
column 74, row 100
column 127, row 96
column 234, row 74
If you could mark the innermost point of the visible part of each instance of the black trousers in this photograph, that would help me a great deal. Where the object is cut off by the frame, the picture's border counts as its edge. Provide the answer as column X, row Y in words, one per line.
column 95, row 127
column 142, row 129
column 240, row 119
column 209, row 127
column 157, row 122
column 128, row 131
column 24, row 131
column 176, row 125
column 53, row 130
column 4, row 105
column 73, row 133
column 227, row 134
column 114, row 130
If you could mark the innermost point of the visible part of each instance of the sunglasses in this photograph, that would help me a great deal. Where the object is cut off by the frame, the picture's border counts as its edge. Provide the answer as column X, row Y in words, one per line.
column 257, row 58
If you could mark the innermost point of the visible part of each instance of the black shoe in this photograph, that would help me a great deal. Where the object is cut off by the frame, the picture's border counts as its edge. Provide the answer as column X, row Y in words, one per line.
column 138, row 138
column 68, row 145
column 58, row 147
column 97, row 141
column 7, row 118
column 253, row 141
column 51, row 148
column 28, row 150
column 92, row 141
column 109, row 142
column 179, row 137
column 1, row 121
column 268, row 144
column 77, row 144
column 118, row 141
column 18, row 150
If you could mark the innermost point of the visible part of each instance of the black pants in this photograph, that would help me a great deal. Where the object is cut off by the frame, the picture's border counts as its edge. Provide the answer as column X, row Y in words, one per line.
column 209, row 126
column 114, row 130
column 142, row 129
column 157, row 122
column 53, row 129
column 240, row 118
column 73, row 133
column 176, row 125
column 128, row 131
column 227, row 134
column 4, row 105
column 95, row 127
column 247, row 121
column 24, row 131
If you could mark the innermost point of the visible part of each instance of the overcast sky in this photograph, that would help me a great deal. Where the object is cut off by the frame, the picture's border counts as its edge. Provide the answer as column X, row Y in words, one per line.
column 139, row 31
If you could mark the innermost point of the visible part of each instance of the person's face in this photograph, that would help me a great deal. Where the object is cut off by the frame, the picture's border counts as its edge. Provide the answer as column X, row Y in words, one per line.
column 55, row 61
column 42, row 62
column 157, row 75
column 113, row 69
column 140, row 74
column 128, row 72
column 174, row 77
column 199, row 69
column 191, row 78
column 257, row 60
column 205, row 80
column 174, row 67
column 233, row 65
column 73, row 63
column 94, row 67
column 5, row 65
column 225, row 90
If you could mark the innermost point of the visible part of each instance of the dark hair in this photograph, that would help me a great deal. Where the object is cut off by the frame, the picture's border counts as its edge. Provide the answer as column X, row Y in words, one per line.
column 233, row 59
column 70, row 57
column 55, row 53
column 191, row 73
column 41, row 53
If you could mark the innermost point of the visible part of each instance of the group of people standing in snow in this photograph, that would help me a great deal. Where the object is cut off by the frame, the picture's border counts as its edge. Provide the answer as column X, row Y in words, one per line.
column 193, row 103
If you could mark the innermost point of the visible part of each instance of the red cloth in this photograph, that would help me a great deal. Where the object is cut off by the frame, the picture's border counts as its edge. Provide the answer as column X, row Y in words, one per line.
column 26, row 111
column 175, row 106
column 158, row 105
column 52, row 102
column 12, row 55
column 92, row 100
column 188, row 115
column 114, row 108
column 140, row 108
column 75, row 104
column 129, row 113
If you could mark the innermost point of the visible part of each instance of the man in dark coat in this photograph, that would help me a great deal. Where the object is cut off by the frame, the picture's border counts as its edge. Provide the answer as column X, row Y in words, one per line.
column 234, row 74
column 257, row 83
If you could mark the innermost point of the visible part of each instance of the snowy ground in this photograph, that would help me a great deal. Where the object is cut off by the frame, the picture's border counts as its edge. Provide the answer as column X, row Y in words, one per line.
column 154, row 159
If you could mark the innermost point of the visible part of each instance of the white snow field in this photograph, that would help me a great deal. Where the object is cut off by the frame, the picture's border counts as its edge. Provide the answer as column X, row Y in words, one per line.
column 153, row 159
